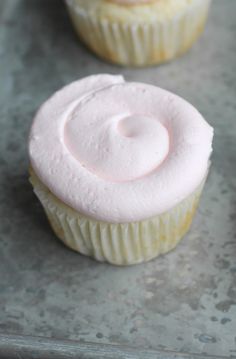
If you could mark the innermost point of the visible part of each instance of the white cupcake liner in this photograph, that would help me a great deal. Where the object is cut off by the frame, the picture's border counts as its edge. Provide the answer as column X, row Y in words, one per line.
column 118, row 243
column 140, row 44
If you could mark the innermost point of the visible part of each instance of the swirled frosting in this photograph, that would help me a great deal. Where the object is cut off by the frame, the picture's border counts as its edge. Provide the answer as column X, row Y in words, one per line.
column 119, row 151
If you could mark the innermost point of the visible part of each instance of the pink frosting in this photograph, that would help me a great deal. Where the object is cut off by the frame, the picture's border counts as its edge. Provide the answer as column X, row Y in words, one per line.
column 119, row 151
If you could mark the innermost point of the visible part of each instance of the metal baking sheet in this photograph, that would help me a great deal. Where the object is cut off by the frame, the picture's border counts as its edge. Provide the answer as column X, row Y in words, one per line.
column 183, row 302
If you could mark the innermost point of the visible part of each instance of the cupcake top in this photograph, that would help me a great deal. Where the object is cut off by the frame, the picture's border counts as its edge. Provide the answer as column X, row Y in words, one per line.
column 119, row 151
column 133, row 11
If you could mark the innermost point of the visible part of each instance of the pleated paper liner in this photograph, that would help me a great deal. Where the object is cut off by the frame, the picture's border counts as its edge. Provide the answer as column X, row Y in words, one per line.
column 139, row 44
column 118, row 243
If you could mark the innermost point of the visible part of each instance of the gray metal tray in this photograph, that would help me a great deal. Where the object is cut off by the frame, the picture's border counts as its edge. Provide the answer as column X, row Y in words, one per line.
column 184, row 302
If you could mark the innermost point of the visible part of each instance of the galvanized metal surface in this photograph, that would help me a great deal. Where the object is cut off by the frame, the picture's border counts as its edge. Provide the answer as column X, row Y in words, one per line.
column 26, row 347
column 185, row 301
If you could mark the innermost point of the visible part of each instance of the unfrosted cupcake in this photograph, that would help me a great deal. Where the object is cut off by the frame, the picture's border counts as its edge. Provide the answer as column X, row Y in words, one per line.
column 138, row 32
column 119, row 167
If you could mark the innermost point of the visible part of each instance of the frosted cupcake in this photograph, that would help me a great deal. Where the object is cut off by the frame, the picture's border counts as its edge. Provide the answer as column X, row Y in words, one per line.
column 119, row 167
column 138, row 32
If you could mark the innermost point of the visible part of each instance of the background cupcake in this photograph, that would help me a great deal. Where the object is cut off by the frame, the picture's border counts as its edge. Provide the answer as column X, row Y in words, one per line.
column 119, row 167
column 138, row 32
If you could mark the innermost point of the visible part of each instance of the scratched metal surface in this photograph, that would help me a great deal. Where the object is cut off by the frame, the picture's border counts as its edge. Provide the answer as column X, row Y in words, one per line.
column 185, row 301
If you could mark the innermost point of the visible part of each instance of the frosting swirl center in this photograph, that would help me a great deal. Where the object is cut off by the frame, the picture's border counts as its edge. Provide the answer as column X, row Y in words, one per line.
column 120, row 148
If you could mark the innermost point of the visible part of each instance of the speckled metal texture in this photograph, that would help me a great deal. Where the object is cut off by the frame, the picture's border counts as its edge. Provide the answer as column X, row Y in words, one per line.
column 184, row 301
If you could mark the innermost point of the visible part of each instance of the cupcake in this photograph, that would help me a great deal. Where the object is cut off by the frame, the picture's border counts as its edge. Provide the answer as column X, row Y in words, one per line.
column 138, row 32
column 119, row 167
